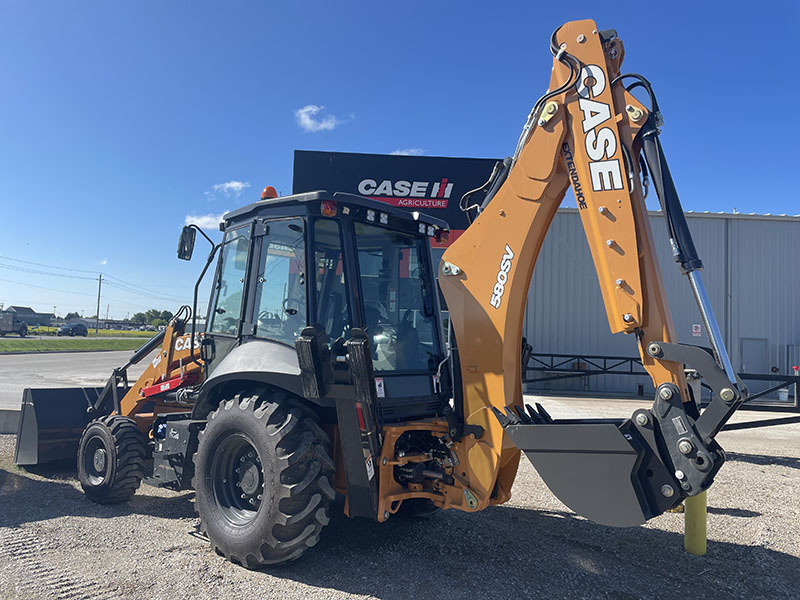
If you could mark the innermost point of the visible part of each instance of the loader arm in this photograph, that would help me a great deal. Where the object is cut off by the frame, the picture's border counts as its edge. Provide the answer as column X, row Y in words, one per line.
column 587, row 132
column 52, row 420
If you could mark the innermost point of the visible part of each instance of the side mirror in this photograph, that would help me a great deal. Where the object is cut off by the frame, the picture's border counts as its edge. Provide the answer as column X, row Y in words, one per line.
column 186, row 243
column 207, row 349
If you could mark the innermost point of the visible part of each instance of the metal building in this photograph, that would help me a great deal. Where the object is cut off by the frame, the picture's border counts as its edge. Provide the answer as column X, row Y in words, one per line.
column 750, row 273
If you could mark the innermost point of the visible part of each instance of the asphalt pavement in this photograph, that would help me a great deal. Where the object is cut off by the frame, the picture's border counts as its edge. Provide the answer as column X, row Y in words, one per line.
column 66, row 369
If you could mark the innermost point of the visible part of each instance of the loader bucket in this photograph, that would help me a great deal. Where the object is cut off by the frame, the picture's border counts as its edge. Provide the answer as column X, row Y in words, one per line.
column 51, row 423
column 600, row 468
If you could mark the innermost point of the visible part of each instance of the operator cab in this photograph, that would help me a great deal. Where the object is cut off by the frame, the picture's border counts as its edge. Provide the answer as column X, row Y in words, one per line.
column 338, row 262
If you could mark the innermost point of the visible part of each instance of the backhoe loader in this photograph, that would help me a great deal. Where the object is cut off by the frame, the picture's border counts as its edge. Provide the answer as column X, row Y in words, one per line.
column 324, row 368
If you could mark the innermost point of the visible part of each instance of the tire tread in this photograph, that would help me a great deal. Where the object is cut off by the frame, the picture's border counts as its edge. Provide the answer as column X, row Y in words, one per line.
column 302, row 492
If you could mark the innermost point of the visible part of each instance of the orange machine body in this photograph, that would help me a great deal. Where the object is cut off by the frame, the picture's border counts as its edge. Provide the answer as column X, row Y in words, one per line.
column 486, row 273
column 175, row 365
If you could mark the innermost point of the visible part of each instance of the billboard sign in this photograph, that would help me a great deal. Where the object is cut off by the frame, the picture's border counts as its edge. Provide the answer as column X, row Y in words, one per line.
column 432, row 185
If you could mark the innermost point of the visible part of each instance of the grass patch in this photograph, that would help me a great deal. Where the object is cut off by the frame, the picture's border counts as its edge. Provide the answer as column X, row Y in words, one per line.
column 57, row 344
column 42, row 330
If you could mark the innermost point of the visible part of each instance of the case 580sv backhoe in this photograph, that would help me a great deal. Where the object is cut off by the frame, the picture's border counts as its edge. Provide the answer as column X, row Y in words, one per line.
column 324, row 369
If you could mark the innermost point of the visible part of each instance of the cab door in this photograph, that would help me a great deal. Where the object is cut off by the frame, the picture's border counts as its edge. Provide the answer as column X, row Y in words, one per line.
column 228, row 298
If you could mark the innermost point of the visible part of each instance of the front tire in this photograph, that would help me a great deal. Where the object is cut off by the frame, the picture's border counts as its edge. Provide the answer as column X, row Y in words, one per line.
column 111, row 458
column 262, row 479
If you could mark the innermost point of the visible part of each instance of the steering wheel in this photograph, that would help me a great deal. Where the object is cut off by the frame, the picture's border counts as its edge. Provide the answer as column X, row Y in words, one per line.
column 229, row 325
column 290, row 310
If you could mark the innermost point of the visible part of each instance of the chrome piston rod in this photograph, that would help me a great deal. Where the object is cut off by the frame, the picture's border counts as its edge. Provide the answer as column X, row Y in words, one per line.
column 710, row 323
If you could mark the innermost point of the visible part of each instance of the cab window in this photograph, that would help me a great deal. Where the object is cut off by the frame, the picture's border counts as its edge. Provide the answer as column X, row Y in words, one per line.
column 399, row 306
column 330, row 288
column 280, row 295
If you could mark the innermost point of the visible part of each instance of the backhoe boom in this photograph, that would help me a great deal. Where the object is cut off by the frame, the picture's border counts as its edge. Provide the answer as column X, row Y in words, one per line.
column 588, row 133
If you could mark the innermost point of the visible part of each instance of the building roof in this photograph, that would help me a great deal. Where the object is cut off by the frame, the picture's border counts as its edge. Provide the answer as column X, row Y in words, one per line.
column 22, row 309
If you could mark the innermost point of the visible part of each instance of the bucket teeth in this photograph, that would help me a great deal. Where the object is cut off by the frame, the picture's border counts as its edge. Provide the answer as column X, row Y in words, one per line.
column 517, row 415
column 504, row 420
column 535, row 417
column 513, row 418
column 544, row 414
column 523, row 417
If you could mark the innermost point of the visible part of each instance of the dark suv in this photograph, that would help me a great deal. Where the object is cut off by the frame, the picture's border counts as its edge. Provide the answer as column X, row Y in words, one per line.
column 73, row 329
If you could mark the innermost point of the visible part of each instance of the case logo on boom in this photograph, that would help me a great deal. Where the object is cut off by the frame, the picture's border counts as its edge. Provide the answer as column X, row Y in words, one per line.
column 502, row 277
column 185, row 342
column 602, row 144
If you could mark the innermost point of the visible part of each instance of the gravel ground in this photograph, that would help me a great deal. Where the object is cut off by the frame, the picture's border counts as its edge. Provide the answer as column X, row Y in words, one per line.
column 54, row 543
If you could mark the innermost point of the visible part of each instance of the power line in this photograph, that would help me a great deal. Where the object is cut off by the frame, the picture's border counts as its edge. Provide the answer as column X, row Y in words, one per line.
column 160, row 294
column 28, row 262
column 132, row 290
column 37, row 272
column 109, row 280
column 139, row 287
column 49, row 289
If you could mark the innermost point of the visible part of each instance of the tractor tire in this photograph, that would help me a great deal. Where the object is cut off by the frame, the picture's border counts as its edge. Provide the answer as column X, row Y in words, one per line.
column 23, row 332
column 111, row 458
column 262, row 479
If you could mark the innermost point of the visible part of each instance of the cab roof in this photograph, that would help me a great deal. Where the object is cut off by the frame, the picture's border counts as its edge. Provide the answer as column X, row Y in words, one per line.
column 252, row 210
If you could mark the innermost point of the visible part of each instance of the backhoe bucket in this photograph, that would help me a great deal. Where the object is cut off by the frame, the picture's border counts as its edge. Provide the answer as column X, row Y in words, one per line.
column 52, row 422
column 603, row 469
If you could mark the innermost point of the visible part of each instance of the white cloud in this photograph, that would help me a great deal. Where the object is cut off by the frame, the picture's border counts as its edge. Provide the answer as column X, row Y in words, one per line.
column 231, row 188
column 408, row 152
column 209, row 221
column 306, row 119
column 103, row 262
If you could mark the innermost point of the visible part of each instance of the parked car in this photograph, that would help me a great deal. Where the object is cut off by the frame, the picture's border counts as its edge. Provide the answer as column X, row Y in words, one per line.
column 73, row 329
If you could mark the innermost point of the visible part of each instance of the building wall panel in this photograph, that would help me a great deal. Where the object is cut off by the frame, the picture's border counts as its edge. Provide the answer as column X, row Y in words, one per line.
column 749, row 265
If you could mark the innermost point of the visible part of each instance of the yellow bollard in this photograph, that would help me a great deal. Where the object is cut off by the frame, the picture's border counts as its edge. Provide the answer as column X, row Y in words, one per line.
column 694, row 535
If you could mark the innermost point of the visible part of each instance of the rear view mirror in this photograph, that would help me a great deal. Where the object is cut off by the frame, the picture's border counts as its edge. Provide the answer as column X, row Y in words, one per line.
column 186, row 243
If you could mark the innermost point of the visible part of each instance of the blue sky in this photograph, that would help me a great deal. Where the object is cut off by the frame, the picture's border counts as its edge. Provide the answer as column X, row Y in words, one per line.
column 118, row 120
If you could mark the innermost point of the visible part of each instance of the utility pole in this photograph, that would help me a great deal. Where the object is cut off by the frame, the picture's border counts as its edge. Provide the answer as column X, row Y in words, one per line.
column 97, row 315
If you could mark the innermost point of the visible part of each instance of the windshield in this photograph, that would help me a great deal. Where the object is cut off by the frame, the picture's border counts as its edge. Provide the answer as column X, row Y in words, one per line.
column 229, row 287
column 398, row 299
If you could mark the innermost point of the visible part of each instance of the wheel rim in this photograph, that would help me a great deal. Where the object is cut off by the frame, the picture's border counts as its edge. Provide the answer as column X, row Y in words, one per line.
column 237, row 479
column 96, row 461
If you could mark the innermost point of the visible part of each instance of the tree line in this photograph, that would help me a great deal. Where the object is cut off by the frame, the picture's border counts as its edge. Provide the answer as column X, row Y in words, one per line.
column 153, row 317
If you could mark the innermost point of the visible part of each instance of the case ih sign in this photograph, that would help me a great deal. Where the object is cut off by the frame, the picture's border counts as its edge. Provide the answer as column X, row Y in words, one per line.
column 430, row 184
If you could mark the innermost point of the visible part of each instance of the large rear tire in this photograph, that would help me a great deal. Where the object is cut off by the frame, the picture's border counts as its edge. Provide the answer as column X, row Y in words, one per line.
column 262, row 479
column 111, row 458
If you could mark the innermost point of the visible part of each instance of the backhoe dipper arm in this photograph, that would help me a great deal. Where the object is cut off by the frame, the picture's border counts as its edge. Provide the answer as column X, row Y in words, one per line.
column 587, row 132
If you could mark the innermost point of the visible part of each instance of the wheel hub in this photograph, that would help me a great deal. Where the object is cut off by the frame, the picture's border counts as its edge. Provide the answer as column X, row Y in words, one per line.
column 250, row 478
column 99, row 460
